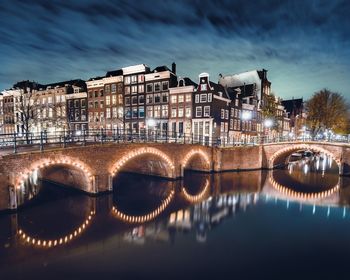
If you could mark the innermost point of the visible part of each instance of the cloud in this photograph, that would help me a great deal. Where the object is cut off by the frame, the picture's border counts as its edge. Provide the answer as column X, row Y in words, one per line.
column 300, row 42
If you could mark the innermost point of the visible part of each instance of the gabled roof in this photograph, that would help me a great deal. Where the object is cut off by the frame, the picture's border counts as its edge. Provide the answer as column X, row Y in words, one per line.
column 114, row 73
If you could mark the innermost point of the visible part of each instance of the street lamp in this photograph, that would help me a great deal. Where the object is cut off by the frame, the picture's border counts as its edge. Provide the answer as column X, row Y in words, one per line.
column 151, row 123
column 246, row 115
column 268, row 123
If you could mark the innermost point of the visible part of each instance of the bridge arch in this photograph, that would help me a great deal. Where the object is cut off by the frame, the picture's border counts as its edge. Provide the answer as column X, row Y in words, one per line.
column 280, row 156
column 47, row 162
column 197, row 152
column 143, row 151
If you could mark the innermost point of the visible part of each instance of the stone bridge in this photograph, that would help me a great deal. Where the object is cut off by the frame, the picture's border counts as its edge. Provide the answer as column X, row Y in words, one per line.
column 92, row 168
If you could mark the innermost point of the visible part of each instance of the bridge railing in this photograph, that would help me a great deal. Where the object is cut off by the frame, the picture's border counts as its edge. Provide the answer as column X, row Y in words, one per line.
column 41, row 140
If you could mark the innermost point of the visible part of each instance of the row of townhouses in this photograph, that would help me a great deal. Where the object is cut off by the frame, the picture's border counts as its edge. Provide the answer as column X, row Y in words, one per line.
column 136, row 99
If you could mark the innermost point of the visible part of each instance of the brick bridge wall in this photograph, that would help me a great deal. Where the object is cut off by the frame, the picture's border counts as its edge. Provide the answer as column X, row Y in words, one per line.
column 98, row 164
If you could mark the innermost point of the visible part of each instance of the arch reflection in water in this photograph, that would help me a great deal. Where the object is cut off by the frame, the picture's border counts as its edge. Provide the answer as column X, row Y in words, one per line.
column 198, row 197
column 139, row 198
column 146, row 217
column 309, row 178
column 47, row 243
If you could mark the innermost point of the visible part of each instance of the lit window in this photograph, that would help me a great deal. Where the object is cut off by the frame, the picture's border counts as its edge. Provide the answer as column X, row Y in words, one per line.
column 203, row 98
column 164, row 111
column 188, row 112
column 173, row 98
column 156, row 111
column 222, row 113
column 181, row 112
column 173, row 112
column 210, row 97
column 141, row 88
column 198, row 112
column 134, row 79
column 141, row 78
column 206, row 111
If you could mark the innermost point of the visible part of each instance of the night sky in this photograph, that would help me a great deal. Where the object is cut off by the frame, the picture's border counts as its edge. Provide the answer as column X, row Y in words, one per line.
column 305, row 45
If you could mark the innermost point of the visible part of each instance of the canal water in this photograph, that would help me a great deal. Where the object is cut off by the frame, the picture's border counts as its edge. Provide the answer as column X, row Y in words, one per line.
column 291, row 223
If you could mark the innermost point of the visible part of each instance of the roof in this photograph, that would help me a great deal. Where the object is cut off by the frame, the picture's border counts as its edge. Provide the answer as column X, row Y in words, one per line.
column 240, row 79
column 96, row 78
column 26, row 84
column 245, row 90
column 219, row 88
column 189, row 82
column 161, row 69
column 113, row 73
column 293, row 105
column 76, row 82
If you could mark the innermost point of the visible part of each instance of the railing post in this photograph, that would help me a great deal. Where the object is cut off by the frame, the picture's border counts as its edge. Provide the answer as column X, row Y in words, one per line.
column 14, row 143
column 64, row 138
column 84, row 137
column 41, row 141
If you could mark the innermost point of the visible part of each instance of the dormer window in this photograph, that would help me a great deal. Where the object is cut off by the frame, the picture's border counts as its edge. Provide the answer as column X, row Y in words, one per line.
column 203, row 87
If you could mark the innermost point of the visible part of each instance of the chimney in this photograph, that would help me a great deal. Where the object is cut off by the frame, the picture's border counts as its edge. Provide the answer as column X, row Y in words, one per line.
column 173, row 68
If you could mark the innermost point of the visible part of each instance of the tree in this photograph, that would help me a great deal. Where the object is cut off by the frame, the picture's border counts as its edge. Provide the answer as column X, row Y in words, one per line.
column 30, row 112
column 269, row 108
column 327, row 110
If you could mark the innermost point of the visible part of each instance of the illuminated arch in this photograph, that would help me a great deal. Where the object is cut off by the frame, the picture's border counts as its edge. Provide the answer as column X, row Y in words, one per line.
column 48, row 243
column 198, row 197
column 192, row 153
column 147, row 217
column 49, row 162
column 301, row 195
column 146, row 150
column 292, row 148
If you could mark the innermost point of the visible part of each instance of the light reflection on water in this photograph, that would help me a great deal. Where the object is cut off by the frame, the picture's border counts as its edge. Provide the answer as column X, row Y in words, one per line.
column 225, row 213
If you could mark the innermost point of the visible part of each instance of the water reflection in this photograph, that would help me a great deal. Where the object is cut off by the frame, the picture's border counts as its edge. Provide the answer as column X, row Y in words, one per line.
column 144, row 210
